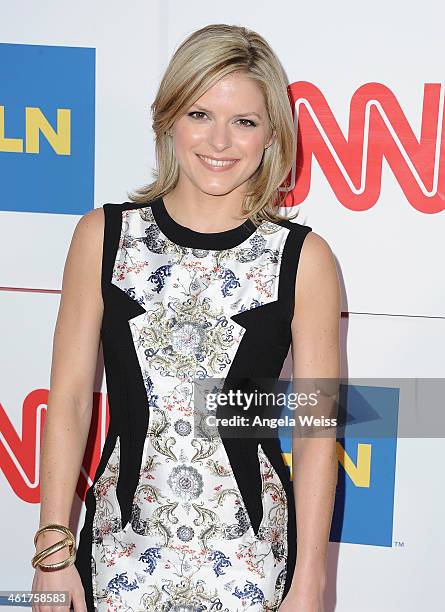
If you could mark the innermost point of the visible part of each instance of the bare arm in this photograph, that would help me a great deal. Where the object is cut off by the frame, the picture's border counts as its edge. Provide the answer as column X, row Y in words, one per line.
column 315, row 350
column 74, row 359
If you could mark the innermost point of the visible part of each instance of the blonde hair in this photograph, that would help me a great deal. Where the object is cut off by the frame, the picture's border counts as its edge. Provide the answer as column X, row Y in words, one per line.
column 203, row 58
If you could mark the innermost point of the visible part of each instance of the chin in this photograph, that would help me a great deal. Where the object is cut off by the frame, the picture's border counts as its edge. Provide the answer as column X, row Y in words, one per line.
column 217, row 191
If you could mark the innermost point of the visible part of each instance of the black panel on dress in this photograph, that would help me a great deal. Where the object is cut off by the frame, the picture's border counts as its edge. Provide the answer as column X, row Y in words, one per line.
column 130, row 398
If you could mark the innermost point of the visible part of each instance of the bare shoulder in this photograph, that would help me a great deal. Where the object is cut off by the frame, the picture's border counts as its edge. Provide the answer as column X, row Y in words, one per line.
column 87, row 238
column 317, row 277
column 90, row 225
column 315, row 253
column 84, row 259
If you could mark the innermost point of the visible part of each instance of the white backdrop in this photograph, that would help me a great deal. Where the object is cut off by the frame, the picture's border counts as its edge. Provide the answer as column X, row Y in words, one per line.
column 390, row 257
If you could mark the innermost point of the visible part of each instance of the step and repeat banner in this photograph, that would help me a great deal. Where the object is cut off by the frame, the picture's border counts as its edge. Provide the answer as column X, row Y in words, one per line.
column 366, row 84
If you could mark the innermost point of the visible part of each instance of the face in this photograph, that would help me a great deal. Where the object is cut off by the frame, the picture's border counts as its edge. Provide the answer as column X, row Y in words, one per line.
column 220, row 140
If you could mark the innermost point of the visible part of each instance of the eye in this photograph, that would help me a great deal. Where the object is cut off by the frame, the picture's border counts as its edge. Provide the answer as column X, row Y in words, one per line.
column 196, row 113
column 249, row 122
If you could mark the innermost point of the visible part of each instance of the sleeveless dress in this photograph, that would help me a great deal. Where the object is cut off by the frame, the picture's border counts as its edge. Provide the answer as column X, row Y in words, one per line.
column 174, row 522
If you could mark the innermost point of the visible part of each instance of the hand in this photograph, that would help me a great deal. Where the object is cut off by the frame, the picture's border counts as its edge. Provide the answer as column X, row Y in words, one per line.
column 66, row 579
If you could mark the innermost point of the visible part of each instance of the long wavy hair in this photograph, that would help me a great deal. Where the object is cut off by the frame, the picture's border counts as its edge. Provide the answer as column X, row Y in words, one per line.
column 203, row 58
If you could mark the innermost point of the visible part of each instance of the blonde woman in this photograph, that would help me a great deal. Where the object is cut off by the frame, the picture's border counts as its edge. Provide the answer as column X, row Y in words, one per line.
column 194, row 278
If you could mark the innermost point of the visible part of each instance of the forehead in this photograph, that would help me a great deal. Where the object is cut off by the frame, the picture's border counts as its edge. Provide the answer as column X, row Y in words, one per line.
column 234, row 90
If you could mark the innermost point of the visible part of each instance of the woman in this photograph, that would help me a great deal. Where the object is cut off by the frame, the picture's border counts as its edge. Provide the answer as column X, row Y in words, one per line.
column 179, row 290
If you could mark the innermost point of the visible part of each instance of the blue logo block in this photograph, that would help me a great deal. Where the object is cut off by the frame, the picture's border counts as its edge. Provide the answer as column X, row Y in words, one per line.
column 364, row 504
column 47, row 127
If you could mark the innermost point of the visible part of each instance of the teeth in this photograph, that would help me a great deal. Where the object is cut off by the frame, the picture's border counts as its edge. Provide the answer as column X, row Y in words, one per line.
column 218, row 163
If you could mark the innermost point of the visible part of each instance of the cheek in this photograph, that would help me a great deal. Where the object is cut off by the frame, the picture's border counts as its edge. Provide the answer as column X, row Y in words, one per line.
column 181, row 142
column 186, row 136
column 252, row 145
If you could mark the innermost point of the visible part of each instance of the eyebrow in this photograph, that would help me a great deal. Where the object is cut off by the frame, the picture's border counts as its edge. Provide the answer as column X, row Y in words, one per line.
column 237, row 115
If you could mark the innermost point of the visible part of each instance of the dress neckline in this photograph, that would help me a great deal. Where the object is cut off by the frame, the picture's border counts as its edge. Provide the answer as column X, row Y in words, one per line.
column 184, row 236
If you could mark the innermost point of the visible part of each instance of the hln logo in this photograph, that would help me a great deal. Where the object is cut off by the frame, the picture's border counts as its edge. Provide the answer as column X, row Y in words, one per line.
column 47, row 128
column 364, row 503
column 35, row 123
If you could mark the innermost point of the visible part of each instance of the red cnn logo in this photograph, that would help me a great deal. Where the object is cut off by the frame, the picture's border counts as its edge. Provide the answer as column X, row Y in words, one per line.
column 20, row 456
column 377, row 129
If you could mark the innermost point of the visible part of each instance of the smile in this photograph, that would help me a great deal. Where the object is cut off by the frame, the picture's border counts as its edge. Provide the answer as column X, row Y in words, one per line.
column 217, row 163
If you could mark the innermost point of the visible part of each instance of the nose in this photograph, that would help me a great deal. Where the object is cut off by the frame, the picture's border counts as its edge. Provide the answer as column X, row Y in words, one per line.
column 219, row 136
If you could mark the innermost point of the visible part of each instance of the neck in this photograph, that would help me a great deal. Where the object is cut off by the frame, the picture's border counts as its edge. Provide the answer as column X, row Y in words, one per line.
column 204, row 212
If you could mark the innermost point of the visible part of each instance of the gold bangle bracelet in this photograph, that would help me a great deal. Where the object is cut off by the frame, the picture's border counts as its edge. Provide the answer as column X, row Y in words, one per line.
column 54, row 527
column 59, row 565
column 52, row 549
column 69, row 541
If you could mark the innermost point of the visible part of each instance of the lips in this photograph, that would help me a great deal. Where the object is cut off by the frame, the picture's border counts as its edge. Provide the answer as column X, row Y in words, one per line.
column 217, row 163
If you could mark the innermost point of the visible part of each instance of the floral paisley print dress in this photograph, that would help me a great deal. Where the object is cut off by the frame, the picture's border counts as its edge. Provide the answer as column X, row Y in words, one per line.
column 175, row 522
